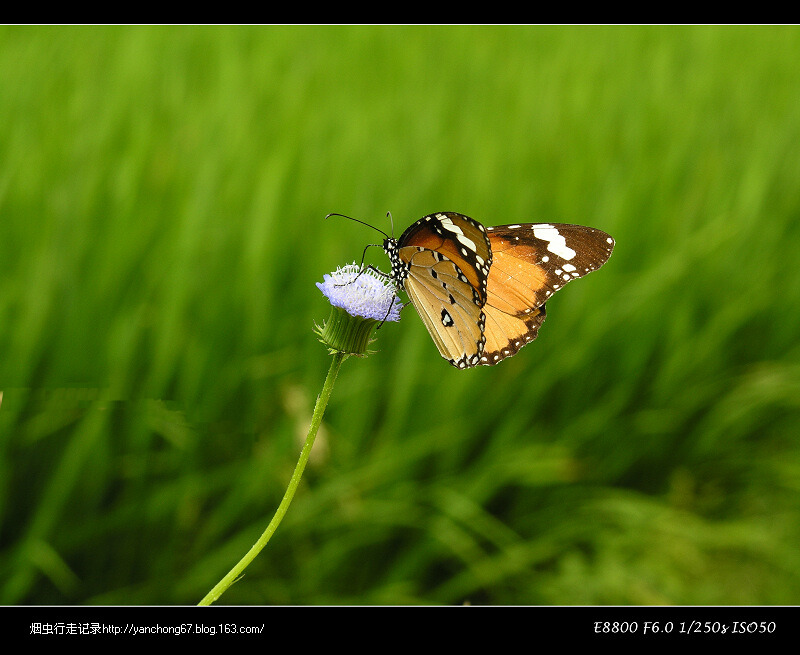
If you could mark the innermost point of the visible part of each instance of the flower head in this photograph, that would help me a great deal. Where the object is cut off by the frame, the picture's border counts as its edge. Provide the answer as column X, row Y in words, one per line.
column 360, row 300
column 361, row 293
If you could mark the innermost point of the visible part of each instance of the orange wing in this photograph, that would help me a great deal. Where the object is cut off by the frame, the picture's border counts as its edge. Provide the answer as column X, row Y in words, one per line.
column 448, row 305
column 530, row 263
column 481, row 292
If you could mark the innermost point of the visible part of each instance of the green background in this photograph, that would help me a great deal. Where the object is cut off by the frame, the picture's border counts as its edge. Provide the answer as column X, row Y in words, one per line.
column 162, row 194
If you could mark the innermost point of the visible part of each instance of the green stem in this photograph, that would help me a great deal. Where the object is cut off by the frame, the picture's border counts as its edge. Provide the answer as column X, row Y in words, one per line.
column 316, row 420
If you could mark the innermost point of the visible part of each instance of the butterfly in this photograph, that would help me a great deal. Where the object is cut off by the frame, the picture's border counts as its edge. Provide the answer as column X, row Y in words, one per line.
column 481, row 291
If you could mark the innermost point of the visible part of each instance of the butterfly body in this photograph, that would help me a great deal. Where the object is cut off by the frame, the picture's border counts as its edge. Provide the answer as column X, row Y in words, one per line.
column 481, row 291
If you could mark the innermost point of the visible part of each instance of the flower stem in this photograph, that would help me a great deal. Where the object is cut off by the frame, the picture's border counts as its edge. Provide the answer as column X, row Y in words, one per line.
column 316, row 420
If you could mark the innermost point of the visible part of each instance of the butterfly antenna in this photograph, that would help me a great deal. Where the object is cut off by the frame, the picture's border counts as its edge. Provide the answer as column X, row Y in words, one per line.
column 357, row 221
column 391, row 221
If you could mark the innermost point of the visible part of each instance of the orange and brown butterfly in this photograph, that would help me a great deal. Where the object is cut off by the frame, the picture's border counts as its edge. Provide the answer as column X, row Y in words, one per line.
column 481, row 291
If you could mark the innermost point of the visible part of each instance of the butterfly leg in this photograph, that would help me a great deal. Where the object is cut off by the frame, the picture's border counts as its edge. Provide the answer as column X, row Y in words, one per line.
column 395, row 299
column 361, row 266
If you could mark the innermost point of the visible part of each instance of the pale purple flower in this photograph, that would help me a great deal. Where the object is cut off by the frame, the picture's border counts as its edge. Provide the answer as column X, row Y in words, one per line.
column 361, row 293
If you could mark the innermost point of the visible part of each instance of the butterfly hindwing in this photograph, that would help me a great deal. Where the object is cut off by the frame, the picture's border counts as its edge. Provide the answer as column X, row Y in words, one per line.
column 449, row 307
column 505, row 334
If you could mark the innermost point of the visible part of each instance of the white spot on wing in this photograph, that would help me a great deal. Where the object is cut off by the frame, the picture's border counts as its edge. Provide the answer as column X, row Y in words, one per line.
column 466, row 240
column 448, row 225
column 555, row 241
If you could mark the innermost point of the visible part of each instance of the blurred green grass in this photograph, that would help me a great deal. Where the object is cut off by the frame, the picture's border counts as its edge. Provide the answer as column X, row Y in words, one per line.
column 162, row 191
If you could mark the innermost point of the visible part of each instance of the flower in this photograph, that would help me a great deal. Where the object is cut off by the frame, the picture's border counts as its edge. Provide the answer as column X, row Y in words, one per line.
column 361, row 293
column 360, row 300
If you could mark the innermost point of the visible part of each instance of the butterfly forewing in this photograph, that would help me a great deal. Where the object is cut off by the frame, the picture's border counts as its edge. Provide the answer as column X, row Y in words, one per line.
column 460, row 239
column 443, row 262
column 533, row 261
column 530, row 263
